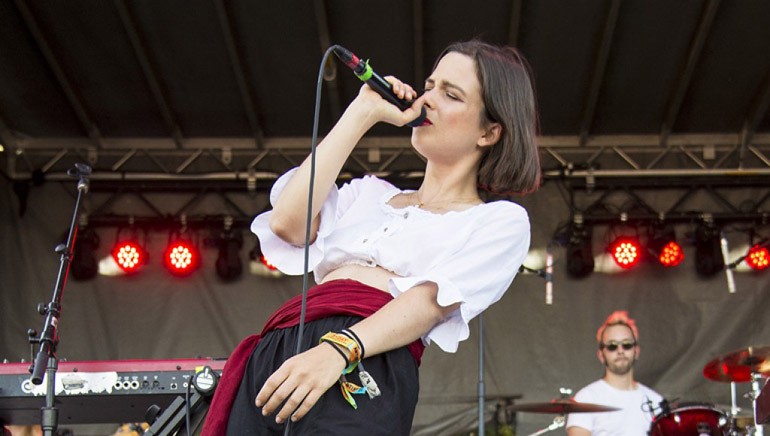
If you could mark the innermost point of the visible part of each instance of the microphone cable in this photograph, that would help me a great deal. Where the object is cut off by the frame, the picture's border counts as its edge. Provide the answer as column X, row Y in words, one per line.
column 305, row 275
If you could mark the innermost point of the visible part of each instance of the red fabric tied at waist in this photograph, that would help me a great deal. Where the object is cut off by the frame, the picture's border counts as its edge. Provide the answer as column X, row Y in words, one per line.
column 337, row 297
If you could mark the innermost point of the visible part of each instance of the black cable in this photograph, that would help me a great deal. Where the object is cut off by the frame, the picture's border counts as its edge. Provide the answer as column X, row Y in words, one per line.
column 313, row 141
column 537, row 272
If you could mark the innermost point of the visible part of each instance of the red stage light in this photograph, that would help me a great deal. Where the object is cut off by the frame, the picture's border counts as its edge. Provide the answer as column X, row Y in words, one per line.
column 625, row 252
column 267, row 263
column 671, row 254
column 129, row 256
column 181, row 257
column 758, row 258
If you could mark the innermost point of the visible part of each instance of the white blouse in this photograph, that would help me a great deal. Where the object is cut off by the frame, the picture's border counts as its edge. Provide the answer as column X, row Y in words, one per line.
column 471, row 255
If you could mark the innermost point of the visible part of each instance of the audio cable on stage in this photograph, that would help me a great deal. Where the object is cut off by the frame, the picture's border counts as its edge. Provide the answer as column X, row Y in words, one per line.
column 305, row 274
column 366, row 74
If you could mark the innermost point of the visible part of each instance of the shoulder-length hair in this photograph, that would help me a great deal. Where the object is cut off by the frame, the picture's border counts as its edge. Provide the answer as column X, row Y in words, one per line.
column 512, row 165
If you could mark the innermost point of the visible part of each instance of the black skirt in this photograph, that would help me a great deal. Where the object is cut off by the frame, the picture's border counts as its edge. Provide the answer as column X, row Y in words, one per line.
column 389, row 414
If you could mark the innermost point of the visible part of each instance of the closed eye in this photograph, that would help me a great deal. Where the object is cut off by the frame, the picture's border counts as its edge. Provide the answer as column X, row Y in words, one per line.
column 449, row 95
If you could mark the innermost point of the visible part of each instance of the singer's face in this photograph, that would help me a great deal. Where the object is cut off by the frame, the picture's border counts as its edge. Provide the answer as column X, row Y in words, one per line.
column 454, row 110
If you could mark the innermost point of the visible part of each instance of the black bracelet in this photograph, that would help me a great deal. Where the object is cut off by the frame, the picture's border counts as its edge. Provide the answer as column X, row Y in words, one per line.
column 352, row 335
column 344, row 357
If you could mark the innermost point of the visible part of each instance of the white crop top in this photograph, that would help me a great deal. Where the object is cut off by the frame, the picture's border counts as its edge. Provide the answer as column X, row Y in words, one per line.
column 471, row 255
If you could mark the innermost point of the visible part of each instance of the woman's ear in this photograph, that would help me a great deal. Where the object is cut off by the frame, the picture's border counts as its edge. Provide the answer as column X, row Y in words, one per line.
column 492, row 134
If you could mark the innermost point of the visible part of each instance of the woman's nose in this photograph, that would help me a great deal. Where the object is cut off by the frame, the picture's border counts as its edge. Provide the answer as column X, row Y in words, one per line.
column 427, row 98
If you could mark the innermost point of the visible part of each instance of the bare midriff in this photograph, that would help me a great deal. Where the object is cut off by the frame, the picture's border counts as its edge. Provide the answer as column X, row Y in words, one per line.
column 374, row 276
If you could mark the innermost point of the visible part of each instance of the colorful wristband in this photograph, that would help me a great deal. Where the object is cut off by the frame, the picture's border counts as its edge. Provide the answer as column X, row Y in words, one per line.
column 348, row 344
column 352, row 335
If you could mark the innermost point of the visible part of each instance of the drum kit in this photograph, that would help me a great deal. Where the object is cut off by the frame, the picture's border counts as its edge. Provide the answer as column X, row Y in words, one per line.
column 746, row 365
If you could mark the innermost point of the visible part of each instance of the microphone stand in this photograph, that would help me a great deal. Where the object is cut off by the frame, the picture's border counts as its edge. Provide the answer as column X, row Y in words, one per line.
column 481, row 387
column 46, row 360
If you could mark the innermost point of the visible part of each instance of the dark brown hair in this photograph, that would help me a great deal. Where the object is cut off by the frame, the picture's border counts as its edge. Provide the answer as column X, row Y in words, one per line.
column 512, row 165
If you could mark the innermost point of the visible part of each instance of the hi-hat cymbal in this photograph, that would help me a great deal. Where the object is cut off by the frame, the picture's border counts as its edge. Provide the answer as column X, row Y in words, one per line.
column 561, row 406
column 738, row 366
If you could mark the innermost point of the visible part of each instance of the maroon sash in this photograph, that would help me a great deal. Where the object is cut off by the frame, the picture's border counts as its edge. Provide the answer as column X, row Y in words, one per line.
column 337, row 297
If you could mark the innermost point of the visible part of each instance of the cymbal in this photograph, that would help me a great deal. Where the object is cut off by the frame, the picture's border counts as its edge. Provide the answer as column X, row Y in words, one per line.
column 739, row 365
column 463, row 399
column 561, row 407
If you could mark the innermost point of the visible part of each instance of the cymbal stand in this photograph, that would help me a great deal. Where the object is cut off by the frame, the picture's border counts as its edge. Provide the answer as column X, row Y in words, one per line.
column 756, row 377
column 558, row 422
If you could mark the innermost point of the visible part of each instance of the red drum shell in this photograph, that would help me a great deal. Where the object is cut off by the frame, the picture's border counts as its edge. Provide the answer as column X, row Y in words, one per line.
column 690, row 420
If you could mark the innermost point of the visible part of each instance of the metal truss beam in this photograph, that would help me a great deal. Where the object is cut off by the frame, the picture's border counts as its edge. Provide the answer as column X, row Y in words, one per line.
column 236, row 159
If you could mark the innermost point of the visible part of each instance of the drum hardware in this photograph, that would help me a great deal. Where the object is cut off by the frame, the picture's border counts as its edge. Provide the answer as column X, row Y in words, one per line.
column 561, row 406
column 691, row 419
column 750, row 364
column 739, row 366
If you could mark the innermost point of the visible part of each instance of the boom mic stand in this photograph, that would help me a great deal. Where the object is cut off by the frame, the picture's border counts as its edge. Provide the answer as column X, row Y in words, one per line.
column 46, row 360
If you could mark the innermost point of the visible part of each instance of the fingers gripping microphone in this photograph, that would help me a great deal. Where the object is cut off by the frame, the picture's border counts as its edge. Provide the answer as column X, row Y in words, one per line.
column 364, row 71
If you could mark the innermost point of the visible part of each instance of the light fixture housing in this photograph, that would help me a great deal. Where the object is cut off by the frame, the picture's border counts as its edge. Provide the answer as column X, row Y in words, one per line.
column 663, row 246
column 708, row 249
column 580, row 255
column 228, row 264
column 84, row 265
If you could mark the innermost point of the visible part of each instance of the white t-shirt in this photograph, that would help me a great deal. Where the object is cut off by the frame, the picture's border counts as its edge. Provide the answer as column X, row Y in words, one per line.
column 634, row 418
column 471, row 255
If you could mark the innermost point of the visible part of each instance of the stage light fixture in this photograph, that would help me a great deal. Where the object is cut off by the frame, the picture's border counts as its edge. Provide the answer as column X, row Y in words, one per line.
column 626, row 251
column 84, row 265
column 758, row 257
column 708, row 249
column 662, row 245
column 259, row 265
column 129, row 255
column 181, row 256
column 230, row 241
column 624, row 248
column 580, row 256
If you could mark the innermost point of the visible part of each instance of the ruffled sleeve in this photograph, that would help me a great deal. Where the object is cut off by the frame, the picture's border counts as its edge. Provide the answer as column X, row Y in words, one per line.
column 476, row 274
column 290, row 259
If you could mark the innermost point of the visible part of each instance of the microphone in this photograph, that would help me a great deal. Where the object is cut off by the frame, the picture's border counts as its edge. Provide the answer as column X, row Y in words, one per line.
column 364, row 71
column 728, row 267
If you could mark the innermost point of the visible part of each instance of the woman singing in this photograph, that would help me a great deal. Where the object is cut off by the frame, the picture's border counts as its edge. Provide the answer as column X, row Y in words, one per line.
column 395, row 269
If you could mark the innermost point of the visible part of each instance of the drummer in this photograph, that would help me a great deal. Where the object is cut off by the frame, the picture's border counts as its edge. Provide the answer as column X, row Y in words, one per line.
column 618, row 351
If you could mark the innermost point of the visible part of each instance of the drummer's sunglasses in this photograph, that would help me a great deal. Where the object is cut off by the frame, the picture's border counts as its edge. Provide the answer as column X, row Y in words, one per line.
column 612, row 346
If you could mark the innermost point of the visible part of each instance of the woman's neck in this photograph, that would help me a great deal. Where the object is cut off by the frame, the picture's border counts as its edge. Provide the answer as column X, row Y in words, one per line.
column 455, row 184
